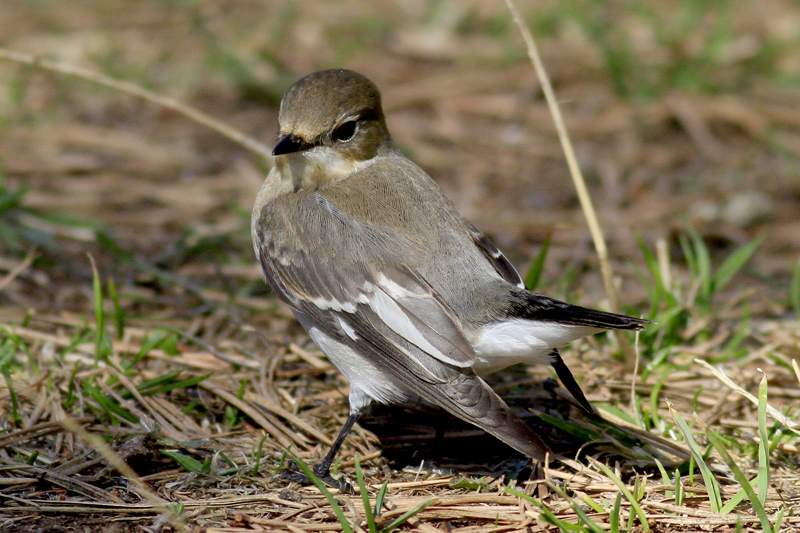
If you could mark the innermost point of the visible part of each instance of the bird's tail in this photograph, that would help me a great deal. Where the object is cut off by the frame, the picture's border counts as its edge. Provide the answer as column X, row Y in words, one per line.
column 532, row 306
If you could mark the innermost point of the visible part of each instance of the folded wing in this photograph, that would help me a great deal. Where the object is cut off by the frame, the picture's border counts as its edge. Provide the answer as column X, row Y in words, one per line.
column 387, row 313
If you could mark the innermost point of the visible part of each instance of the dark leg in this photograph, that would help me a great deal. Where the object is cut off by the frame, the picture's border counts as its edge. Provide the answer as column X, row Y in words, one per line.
column 568, row 380
column 323, row 470
column 437, row 448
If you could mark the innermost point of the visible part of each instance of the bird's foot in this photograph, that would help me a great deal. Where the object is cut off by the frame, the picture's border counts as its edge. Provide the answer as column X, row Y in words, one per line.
column 320, row 472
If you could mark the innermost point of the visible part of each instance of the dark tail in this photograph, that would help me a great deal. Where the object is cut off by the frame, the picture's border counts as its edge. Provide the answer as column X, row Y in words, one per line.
column 568, row 380
column 532, row 306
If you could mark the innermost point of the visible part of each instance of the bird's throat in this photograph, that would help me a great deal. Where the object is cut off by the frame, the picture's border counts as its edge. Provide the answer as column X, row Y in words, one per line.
column 317, row 167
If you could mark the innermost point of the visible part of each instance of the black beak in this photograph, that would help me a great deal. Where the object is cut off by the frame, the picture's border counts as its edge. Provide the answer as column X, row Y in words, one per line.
column 290, row 144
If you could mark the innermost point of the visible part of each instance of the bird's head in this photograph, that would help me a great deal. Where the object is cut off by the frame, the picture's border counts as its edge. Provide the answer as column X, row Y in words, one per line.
column 331, row 123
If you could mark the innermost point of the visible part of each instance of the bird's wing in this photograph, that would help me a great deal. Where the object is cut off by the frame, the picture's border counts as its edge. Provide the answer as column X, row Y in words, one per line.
column 386, row 312
column 458, row 390
column 354, row 274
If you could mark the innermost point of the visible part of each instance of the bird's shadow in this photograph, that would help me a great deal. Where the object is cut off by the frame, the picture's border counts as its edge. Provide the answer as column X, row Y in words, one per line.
column 416, row 434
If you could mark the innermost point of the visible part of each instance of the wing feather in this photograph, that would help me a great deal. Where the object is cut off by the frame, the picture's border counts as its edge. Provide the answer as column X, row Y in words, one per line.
column 457, row 390
column 499, row 261
column 398, row 297
column 386, row 312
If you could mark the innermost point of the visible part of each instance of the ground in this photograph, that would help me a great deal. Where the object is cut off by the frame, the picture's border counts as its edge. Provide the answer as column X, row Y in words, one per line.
column 130, row 300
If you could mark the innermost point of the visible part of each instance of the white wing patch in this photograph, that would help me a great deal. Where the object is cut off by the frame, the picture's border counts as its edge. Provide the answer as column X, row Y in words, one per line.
column 336, row 305
column 393, row 316
column 395, row 290
column 347, row 328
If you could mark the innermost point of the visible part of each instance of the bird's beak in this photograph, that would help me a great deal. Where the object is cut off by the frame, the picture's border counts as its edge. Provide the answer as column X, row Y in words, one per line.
column 290, row 144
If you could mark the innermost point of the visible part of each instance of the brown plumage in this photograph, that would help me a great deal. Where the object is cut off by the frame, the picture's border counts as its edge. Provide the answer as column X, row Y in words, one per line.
column 401, row 292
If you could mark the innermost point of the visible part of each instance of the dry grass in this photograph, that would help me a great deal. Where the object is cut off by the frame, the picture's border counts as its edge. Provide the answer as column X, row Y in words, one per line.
column 67, row 476
column 161, row 204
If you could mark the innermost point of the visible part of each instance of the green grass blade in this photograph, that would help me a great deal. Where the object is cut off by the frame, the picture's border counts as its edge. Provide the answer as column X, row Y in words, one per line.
column 99, row 315
column 362, row 485
column 763, row 445
column 400, row 520
column 794, row 289
column 735, row 500
column 190, row 464
column 7, row 349
column 650, row 260
column 71, row 396
column 149, row 343
column 233, row 467
column 534, row 274
column 158, row 381
column 185, row 384
column 635, row 507
column 591, row 502
column 380, row 498
column 734, row 263
column 281, row 463
column 664, row 477
column 703, row 262
column 660, row 292
column 471, row 484
column 547, row 514
column 688, row 255
column 742, row 479
column 613, row 519
column 710, row 481
column 779, row 520
column 259, row 451
column 309, row 473
column 10, row 199
column 588, row 522
column 575, row 429
column 15, row 416
column 119, row 316
column 655, row 397
column 110, row 406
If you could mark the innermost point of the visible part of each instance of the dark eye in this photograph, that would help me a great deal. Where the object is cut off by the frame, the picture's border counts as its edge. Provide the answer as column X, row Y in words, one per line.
column 345, row 132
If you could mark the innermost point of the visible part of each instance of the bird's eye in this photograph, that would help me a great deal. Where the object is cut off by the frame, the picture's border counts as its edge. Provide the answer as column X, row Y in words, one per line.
column 346, row 131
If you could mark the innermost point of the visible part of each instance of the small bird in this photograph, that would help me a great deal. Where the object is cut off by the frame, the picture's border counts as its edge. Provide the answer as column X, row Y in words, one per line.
column 397, row 288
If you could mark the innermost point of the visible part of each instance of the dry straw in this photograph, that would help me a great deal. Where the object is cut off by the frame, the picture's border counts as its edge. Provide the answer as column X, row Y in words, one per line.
column 131, row 88
column 575, row 172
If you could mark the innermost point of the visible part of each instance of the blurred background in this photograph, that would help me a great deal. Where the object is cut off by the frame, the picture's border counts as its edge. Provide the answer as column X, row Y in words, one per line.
column 683, row 114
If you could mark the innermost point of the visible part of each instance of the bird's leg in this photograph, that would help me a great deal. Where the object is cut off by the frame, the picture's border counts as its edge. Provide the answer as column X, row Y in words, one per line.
column 438, row 438
column 568, row 380
column 323, row 470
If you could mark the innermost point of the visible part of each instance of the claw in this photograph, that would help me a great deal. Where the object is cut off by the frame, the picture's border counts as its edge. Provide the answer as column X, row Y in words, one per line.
column 296, row 475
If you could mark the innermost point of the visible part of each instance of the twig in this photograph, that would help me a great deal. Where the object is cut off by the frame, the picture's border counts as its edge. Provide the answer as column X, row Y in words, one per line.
column 577, row 176
column 774, row 413
column 634, row 377
column 130, row 88
column 18, row 269
column 572, row 161
column 122, row 467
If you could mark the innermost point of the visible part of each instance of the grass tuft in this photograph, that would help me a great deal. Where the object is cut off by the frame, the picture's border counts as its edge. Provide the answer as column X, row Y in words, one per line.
column 709, row 480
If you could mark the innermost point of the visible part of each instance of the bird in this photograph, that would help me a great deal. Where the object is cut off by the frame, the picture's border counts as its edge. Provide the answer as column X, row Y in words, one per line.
column 399, row 290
